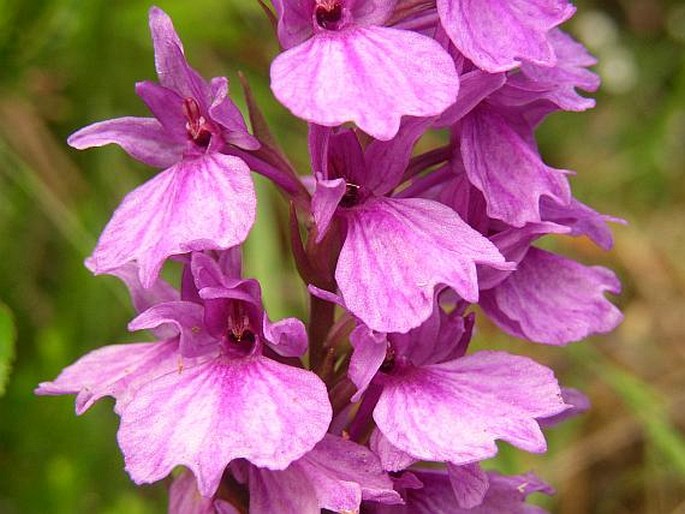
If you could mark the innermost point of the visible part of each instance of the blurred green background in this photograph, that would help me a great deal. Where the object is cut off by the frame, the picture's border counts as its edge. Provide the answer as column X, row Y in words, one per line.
column 66, row 63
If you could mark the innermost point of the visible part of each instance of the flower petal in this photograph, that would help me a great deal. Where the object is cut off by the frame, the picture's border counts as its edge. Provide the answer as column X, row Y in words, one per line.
column 443, row 336
column 343, row 473
column 294, row 21
column 508, row 494
column 577, row 404
column 554, row 300
column 558, row 84
column 287, row 337
column 206, row 416
column 286, row 492
column 392, row 458
column 386, row 161
column 498, row 34
column 167, row 106
column 504, row 167
column 372, row 12
column 505, row 495
column 474, row 87
column 203, row 203
column 514, row 244
column 142, row 298
column 368, row 356
column 454, row 412
column 115, row 371
column 185, row 499
column 225, row 271
column 143, row 139
column 469, row 483
column 188, row 320
column 433, row 496
column 336, row 475
column 325, row 200
column 582, row 220
column 172, row 68
column 224, row 112
column 370, row 75
column 416, row 244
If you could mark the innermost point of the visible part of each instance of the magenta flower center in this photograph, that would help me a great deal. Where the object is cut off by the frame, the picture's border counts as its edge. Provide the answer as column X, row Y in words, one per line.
column 197, row 127
column 328, row 14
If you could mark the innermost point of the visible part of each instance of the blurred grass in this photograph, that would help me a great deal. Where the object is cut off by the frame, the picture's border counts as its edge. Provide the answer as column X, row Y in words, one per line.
column 8, row 336
column 66, row 63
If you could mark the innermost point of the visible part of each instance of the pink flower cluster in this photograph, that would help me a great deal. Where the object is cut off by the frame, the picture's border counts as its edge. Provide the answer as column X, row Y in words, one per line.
column 376, row 405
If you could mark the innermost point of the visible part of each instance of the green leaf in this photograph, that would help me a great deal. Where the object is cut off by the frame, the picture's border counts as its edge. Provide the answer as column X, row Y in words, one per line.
column 8, row 336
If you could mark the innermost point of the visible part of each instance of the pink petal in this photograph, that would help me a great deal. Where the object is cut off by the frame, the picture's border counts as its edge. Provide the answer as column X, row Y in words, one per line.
column 115, row 371
column 185, row 499
column 386, row 161
column 508, row 494
column 582, row 220
column 431, row 493
column 172, row 68
column 561, row 81
column 143, row 139
column 469, row 483
column 553, row 300
column 370, row 75
column 287, row 337
column 285, row 492
column 318, row 141
column 336, row 475
column 325, row 200
column 498, row 34
column 505, row 495
column 167, row 106
column 443, row 336
column 295, row 23
column 224, row 111
column 224, row 272
column 207, row 415
column 187, row 318
column 368, row 356
column 504, row 167
column 514, row 244
column 392, row 458
column 142, row 298
column 326, row 295
column 577, row 403
column 203, row 203
column 454, row 412
column 372, row 12
column 474, row 87
column 345, row 156
column 417, row 244
column 345, row 473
